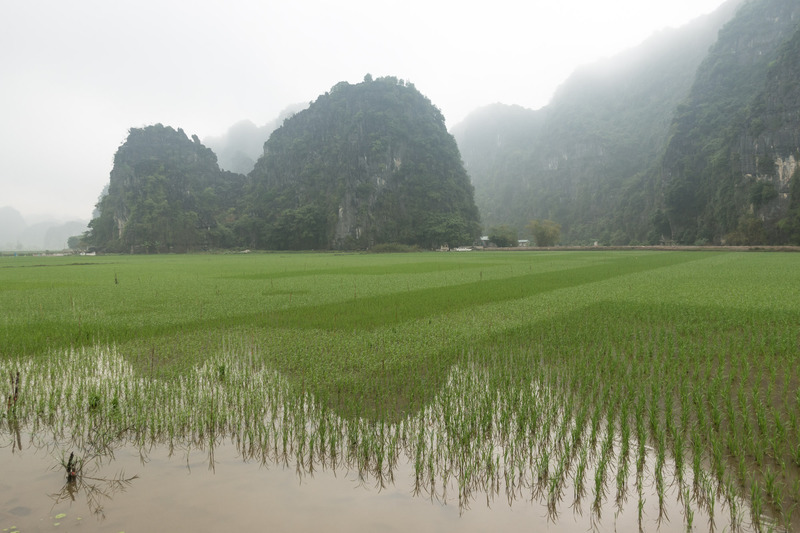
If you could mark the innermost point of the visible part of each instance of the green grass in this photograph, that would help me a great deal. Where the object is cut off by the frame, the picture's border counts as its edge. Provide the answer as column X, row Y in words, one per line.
column 471, row 364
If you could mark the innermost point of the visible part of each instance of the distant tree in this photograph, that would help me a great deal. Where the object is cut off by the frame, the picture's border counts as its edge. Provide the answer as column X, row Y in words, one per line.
column 790, row 225
column 661, row 230
column 749, row 231
column 76, row 242
column 503, row 236
column 544, row 232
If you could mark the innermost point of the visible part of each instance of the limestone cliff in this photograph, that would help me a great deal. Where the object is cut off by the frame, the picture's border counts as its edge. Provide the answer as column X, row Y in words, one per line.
column 166, row 194
column 584, row 159
column 365, row 164
column 736, row 139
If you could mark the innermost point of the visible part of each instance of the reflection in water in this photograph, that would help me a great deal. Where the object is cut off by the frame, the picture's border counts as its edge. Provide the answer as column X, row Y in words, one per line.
column 522, row 450
column 181, row 488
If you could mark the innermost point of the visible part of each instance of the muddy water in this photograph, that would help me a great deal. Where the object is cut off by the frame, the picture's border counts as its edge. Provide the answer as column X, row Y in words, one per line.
column 181, row 493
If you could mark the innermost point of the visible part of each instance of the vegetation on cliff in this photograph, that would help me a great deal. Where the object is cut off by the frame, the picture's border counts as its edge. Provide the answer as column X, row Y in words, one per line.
column 727, row 168
column 166, row 194
column 693, row 137
column 583, row 160
column 365, row 164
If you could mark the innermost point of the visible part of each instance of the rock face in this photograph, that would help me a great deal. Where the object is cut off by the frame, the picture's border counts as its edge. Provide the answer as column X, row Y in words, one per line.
column 166, row 194
column 582, row 161
column 728, row 166
column 691, row 137
column 365, row 164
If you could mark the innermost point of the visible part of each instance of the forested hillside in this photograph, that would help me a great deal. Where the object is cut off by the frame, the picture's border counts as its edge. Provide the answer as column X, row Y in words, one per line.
column 687, row 138
column 693, row 137
column 728, row 166
column 166, row 194
column 581, row 160
column 365, row 164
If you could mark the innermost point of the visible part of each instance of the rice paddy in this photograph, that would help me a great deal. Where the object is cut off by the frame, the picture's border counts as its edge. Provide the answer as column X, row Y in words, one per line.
column 658, row 386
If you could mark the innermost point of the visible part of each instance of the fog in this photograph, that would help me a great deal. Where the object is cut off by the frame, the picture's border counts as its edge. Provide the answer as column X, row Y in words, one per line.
column 77, row 75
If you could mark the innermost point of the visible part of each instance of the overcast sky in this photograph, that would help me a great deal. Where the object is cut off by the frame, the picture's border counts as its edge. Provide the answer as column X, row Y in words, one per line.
column 76, row 75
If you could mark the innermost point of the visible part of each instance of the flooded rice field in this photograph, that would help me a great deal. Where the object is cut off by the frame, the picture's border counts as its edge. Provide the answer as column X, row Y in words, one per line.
column 90, row 446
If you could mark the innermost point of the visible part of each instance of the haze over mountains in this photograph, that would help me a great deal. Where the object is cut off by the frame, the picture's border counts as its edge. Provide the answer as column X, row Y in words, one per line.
column 17, row 234
column 606, row 123
column 240, row 147
column 693, row 137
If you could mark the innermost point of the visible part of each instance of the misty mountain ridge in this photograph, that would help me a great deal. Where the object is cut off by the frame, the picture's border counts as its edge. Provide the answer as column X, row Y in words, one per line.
column 691, row 137
column 239, row 148
column 16, row 234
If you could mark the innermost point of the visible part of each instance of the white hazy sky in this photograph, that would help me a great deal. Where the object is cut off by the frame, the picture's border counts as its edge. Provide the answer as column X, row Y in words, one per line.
column 76, row 75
